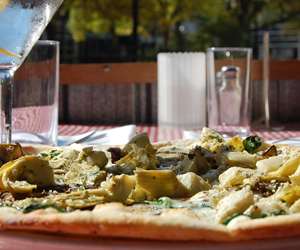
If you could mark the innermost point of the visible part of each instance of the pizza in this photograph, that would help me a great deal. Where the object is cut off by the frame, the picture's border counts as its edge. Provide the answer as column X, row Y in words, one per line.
column 208, row 189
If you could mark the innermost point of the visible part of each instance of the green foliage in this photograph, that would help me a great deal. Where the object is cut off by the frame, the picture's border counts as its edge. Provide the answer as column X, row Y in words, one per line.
column 98, row 16
column 220, row 22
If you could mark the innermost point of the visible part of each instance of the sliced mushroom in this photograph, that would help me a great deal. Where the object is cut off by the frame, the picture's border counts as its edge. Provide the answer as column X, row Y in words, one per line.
column 9, row 152
column 271, row 151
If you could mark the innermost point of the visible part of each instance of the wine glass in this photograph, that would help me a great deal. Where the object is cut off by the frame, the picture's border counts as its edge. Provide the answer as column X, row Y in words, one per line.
column 21, row 24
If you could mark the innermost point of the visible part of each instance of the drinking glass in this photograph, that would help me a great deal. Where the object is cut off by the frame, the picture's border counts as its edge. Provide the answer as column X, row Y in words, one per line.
column 229, row 89
column 21, row 24
column 35, row 96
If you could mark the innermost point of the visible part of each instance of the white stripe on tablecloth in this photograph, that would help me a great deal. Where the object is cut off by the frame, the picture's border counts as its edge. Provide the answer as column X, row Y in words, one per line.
column 79, row 129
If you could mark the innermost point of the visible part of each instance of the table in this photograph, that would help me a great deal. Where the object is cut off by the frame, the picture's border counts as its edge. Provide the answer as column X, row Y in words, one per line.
column 164, row 134
column 29, row 241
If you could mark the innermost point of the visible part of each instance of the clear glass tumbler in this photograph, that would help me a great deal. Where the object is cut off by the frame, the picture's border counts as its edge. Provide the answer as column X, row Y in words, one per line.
column 229, row 89
column 35, row 96
column 21, row 24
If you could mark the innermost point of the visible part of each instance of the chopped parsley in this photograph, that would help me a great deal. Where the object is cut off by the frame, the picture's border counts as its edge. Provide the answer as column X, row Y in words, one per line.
column 166, row 202
column 226, row 222
column 36, row 206
column 54, row 153
column 44, row 154
column 51, row 154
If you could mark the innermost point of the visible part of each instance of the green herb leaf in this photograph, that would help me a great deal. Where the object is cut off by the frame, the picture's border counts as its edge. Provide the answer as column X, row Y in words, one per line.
column 164, row 202
column 54, row 153
column 36, row 206
column 226, row 222
column 44, row 154
column 280, row 212
column 252, row 143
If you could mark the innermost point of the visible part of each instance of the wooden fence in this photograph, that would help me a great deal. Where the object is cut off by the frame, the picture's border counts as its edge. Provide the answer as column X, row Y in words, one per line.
column 127, row 92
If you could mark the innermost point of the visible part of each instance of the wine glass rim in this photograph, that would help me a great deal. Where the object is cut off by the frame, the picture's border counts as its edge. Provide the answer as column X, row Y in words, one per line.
column 229, row 49
column 47, row 42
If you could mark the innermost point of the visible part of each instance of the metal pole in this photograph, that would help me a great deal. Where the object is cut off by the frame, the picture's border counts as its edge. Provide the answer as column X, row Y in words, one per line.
column 266, row 74
column 135, row 25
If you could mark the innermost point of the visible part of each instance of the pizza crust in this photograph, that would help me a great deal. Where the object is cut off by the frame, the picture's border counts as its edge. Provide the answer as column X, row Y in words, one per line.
column 116, row 220
column 270, row 227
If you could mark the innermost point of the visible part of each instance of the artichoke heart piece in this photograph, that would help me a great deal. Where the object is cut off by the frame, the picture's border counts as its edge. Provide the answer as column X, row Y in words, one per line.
column 211, row 140
column 288, row 194
column 270, row 164
column 234, row 203
column 140, row 140
column 139, row 154
column 295, row 177
column 83, row 167
column 93, row 157
column 266, row 207
column 119, row 187
column 157, row 183
column 242, row 159
column 193, row 183
column 80, row 199
column 62, row 202
column 25, row 174
column 295, row 208
column 83, row 175
column 285, row 170
column 235, row 176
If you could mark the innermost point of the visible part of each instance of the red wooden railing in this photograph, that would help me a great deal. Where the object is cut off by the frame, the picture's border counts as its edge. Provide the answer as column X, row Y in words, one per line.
column 127, row 92
column 128, row 73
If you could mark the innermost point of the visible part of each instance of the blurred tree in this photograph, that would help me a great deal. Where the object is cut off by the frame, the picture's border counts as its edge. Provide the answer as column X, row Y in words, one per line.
column 219, row 22
column 166, row 15
column 158, row 17
column 231, row 22
column 278, row 11
column 98, row 16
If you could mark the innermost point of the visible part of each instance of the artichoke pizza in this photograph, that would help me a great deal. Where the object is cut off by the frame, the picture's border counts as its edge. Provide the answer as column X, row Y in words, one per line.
column 207, row 189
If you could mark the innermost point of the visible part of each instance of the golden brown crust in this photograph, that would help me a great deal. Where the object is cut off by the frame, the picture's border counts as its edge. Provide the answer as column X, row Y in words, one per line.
column 115, row 220
column 112, row 220
column 271, row 227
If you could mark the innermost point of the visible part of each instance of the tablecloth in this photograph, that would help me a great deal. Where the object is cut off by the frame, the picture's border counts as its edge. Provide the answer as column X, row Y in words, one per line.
column 164, row 134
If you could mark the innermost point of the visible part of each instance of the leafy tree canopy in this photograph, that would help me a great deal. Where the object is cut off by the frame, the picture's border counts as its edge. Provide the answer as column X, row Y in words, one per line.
column 219, row 21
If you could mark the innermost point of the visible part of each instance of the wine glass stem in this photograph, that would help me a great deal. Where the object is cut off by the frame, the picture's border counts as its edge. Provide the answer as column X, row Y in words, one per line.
column 6, row 76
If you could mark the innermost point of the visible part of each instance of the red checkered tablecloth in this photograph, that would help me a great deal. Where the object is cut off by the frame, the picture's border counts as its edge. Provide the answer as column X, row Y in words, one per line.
column 163, row 134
